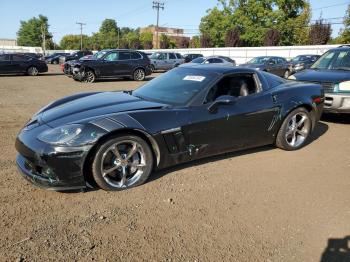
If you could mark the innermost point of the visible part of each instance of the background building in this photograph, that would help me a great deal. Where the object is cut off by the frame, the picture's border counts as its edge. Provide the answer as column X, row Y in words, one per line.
column 8, row 42
column 175, row 34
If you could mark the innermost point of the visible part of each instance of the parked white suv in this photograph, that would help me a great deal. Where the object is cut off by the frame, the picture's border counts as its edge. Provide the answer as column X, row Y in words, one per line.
column 165, row 60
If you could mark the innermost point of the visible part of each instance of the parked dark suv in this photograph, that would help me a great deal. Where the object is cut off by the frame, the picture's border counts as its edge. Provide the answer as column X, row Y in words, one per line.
column 332, row 71
column 116, row 63
column 75, row 56
column 19, row 63
column 272, row 64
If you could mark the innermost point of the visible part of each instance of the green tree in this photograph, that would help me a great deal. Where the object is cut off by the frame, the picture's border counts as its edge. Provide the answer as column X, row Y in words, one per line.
column 195, row 42
column 164, row 42
column 107, row 37
column 31, row 32
column 109, row 26
column 254, row 18
column 344, row 37
column 146, row 39
column 72, row 42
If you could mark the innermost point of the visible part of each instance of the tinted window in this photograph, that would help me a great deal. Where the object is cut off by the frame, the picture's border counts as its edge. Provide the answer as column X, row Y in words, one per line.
column 135, row 55
column 19, row 58
column 214, row 60
column 228, row 59
column 177, row 86
column 172, row 56
column 178, row 56
column 112, row 56
column 4, row 57
column 198, row 60
column 124, row 55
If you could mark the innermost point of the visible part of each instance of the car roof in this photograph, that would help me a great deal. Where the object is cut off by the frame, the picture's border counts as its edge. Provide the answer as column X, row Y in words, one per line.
column 220, row 69
column 346, row 47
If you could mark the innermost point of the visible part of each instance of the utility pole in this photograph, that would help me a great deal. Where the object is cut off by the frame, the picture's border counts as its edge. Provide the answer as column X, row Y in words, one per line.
column 43, row 36
column 157, row 5
column 81, row 34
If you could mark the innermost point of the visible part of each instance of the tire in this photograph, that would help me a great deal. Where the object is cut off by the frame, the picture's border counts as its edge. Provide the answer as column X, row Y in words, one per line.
column 286, row 74
column 32, row 71
column 130, row 167
column 139, row 74
column 89, row 77
column 295, row 130
column 55, row 62
column 153, row 68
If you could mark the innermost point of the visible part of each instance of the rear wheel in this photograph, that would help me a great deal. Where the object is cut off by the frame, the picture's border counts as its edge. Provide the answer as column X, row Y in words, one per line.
column 139, row 74
column 32, row 71
column 55, row 62
column 122, row 162
column 295, row 130
column 89, row 77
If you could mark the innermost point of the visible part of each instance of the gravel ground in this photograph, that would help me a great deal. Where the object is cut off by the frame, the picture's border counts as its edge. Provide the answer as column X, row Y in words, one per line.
column 257, row 205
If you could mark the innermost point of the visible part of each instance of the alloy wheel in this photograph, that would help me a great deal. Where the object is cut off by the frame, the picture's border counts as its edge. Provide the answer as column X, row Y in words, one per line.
column 298, row 129
column 33, row 71
column 89, row 77
column 123, row 164
column 139, row 75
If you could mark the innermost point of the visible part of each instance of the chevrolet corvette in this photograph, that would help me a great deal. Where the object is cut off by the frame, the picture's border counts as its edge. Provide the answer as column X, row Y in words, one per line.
column 117, row 139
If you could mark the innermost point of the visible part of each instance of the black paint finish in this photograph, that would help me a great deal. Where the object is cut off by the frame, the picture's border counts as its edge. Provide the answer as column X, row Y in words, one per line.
column 176, row 134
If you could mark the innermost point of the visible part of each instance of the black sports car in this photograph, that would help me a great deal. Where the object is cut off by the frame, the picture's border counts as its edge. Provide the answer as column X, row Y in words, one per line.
column 118, row 138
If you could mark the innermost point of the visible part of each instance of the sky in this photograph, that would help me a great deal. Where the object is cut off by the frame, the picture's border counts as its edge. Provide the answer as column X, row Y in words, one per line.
column 63, row 14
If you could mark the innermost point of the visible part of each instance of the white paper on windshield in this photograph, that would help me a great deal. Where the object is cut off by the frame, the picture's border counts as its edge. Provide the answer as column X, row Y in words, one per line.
column 194, row 78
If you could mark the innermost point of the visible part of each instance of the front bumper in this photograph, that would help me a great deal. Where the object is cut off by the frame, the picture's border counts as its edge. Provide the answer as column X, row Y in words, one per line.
column 50, row 167
column 337, row 103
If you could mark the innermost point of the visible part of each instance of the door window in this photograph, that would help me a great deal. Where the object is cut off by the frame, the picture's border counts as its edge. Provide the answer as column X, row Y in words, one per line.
column 4, row 58
column 135, row 55
column 237, row 86
column 214, row 60
column 18, row 58
column 124, row 55
column 172, row 56
column 112, row 56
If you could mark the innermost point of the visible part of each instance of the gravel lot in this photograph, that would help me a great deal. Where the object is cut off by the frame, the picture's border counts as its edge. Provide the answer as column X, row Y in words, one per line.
column 257, row 205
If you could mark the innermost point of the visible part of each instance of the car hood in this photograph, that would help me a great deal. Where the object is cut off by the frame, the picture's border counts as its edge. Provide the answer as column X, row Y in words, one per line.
column 91, row 106
column 334, row 76
column 252, row 65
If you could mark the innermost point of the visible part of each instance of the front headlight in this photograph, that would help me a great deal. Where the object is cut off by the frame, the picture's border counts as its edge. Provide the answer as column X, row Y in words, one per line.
column 344, row 86
column 258, row 68
column 292, row 77
column 61, row 135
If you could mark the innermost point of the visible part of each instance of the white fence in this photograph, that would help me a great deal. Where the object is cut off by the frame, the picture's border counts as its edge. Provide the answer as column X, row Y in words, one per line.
column 243, row 54
column 239, row 54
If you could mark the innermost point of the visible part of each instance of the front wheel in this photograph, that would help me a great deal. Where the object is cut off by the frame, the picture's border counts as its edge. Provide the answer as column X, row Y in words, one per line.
column 89, row 77
column 295, row 130
column 139, row 74
column 122, row 162
column 32, row 71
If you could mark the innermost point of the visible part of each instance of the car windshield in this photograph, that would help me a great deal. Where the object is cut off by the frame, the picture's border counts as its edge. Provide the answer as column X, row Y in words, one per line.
column 334, row 60
column 198, row 60
column 176, row 87
column 299, row 58
column 259, row 60
column 99, row 54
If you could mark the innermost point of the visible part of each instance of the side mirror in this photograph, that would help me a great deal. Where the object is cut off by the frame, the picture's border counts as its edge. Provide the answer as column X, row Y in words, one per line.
column 221, row 100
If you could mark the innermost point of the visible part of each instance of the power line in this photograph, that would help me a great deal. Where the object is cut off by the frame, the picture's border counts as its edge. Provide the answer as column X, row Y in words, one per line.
column 157, row 6
column 322, row 7
column 81, row 34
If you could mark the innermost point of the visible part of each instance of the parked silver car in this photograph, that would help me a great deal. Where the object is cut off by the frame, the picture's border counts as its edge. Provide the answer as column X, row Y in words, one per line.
column 165, row 60
column 218, row 60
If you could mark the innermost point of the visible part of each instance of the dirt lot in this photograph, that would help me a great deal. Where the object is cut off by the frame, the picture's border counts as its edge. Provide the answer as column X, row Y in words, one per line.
column 256, row 205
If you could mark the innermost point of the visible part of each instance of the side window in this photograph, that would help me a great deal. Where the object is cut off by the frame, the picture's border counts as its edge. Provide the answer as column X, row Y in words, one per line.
column 19, row 58
column 280, row 60
column 214, row 60
column 178, row 56
column 162, row 56
column 124, row 55
column 172, row 56
column 237, row 86
column 4, row 58
column 135, row 55
column 272, row 61
column 112, row 56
